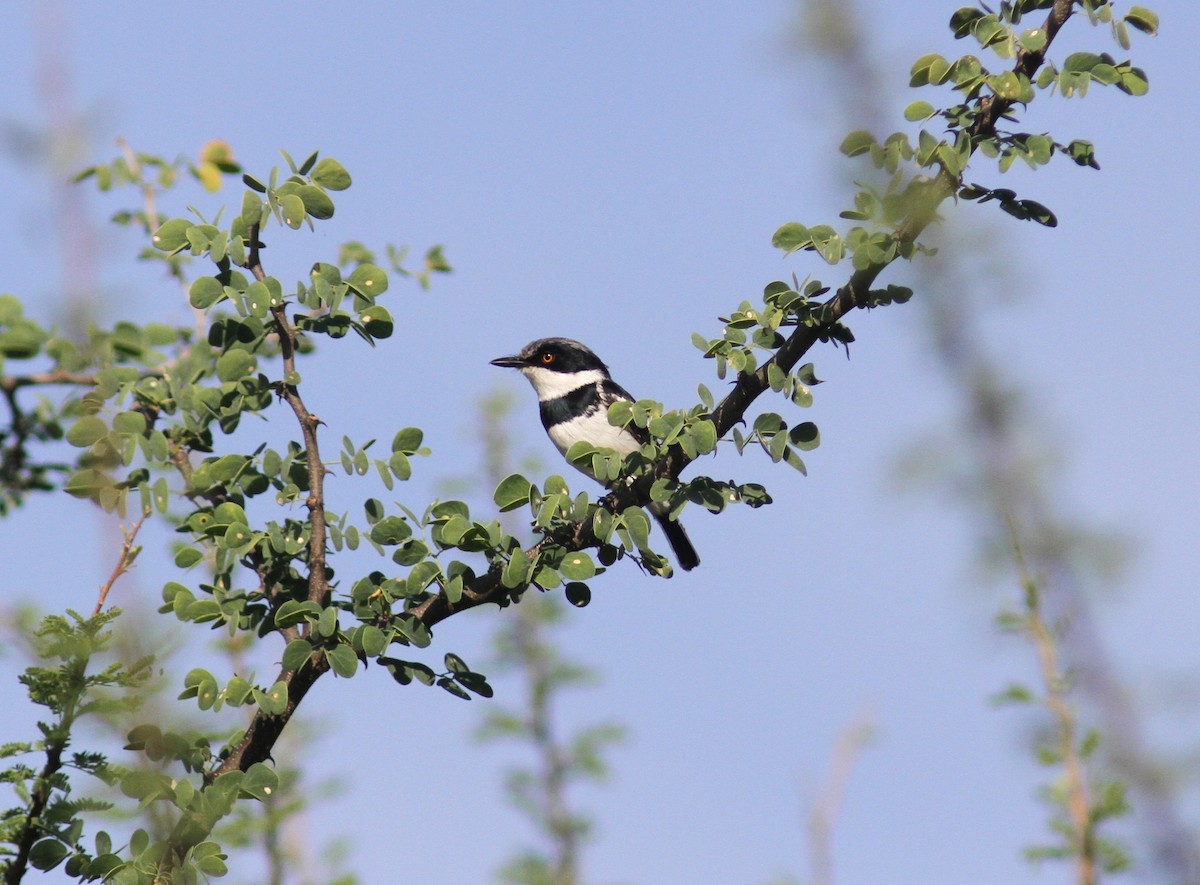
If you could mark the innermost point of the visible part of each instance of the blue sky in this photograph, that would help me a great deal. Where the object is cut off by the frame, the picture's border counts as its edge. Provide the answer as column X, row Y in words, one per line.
column 614, row 173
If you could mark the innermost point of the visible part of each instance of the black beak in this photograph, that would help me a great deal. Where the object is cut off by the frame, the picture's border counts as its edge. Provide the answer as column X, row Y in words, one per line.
column 508, row 362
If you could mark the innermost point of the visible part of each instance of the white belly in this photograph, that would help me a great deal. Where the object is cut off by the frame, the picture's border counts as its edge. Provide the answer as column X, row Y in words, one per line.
column 596, row 430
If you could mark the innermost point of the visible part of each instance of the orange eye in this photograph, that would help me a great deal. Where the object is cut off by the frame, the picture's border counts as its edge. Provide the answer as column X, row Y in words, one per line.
column 547, row 357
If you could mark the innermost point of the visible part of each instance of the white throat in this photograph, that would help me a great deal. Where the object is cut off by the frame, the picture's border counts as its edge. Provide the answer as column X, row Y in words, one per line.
column 551, row 385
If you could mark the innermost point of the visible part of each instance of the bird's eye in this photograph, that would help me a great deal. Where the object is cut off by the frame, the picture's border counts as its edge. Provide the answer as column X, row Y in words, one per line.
column 547, row 357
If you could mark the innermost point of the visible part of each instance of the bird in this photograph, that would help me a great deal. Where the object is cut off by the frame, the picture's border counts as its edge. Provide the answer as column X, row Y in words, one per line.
column 574, row 390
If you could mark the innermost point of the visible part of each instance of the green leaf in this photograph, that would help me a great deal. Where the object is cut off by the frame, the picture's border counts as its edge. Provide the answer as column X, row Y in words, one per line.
column 252, row 207
column 86, row 431
column 273, row 701
column 513, row 492
column 577, row 566
column 1134, row 82
column 293, row 210
column 791, row 236
column 578, row 594
column 928, row 69
column 205, row 292
column 172, row 236
column 919, row 110
column 391, row 530
column 1143, row 19
column 620, row 413
column 454, row 529
column 330, row 174
column 342, row 660
column 236, row 365
column 1033, row 39
column 316, row 201
column 400, row 466
column 704, row 435
column 259, row 782
column 296, row 654
column 188, row 557
column 374, row 640
column 377, row 321
column 46, row 854
column 857, row 142
column 805, row 436
column 368, row 280
column 408, row 440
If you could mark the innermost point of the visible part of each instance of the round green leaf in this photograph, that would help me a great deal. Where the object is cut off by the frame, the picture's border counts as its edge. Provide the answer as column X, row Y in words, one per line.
column 577, row 566
column 918, row 110
column 293, row 210
column 316, row 201
column 377, row 321
column 188, row 557
column 513, row 492
column 296, row 654
column 374, row 640
column 172, row 236
column 391, row 530
column 342, row 660
column 273, row 701
column 578, row 594
column 86, row 431
column 368, row 280
column 407, row 440
column 205, row 292
column 330, row 174
column 454, row 529
column 47, row 854
column 236, row 365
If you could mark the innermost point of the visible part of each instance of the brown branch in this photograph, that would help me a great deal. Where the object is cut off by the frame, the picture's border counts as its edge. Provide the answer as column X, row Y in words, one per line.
column 38, row 800
column 124, row 561
column 318, row 579
column 265, row 728
column 10, row 383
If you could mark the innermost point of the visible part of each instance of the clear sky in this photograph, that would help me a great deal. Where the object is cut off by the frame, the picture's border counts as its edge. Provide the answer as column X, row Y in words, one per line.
column 613, row 172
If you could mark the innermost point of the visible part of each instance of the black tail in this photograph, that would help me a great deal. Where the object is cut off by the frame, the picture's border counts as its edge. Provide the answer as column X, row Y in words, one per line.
column 685, row 553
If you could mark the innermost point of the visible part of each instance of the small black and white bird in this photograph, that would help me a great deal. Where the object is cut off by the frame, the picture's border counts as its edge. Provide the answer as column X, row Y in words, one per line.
column 574, row 391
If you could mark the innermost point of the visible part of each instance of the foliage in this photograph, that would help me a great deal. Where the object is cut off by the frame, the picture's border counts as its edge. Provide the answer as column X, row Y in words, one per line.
column 156, row 416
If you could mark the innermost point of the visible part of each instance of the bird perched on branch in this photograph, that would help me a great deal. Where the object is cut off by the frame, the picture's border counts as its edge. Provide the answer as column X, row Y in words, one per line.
column 574, row 391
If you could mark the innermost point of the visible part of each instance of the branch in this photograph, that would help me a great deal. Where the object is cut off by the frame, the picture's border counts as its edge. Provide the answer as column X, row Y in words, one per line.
column 749, row 386
column 10, row 383
column 265, row 729
column 124, row 561
column 38, row 801
column 318, row 578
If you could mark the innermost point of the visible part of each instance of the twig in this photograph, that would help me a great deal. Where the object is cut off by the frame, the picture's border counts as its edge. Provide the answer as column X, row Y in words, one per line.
column 1082, row 835
column 124, row 562
column 829, row 801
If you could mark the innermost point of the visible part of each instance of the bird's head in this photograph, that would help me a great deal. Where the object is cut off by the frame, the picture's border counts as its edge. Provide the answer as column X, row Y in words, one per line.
column 555, row 366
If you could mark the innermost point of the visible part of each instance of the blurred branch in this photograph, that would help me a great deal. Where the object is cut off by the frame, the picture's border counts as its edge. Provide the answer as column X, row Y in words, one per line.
column 526, row 646
column 828, row 803
column 124, row 561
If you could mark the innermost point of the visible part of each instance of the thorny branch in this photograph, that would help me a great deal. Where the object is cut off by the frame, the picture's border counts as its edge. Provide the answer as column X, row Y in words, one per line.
column 265, row 728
